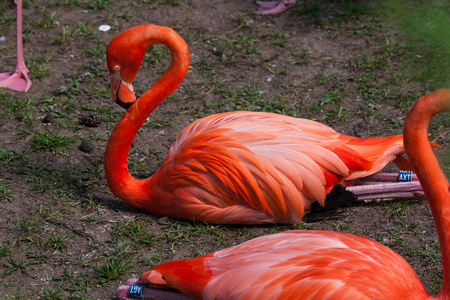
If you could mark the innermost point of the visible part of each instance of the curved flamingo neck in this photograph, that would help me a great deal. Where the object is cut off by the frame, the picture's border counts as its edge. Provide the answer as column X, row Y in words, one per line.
column 431, row 176
column 135, row 191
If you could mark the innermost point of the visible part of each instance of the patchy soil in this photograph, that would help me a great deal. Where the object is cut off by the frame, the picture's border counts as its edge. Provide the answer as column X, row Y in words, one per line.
column 64, row 235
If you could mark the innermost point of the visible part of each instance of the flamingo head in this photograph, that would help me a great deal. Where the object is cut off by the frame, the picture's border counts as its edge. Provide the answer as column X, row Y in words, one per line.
column 124, row 55
column 122, row 90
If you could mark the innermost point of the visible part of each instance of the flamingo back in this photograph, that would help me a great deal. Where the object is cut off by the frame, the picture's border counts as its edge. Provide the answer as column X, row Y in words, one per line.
column 250, row 167
column 295, row 265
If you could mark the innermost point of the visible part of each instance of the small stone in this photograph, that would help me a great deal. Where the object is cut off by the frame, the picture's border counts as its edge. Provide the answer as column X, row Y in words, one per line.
column 268, row 55
column 104, row 27
column 86, row 146
column 49, row 118
column 89, row 120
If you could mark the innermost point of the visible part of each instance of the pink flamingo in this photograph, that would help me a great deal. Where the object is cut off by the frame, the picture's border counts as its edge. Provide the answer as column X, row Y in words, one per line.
column 316, row 264
column 18, row 79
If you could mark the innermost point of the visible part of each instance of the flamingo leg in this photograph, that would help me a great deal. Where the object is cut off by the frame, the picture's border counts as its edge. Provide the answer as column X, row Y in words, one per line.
column 18, row 79
column 147, row 293
column 371, row 188
column 273, row 7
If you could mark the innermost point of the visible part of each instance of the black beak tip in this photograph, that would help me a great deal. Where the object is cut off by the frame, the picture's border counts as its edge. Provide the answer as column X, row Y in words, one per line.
column 125, row 105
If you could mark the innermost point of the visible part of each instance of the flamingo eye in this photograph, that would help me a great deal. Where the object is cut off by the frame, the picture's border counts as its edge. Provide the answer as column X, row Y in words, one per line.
column 116, row 68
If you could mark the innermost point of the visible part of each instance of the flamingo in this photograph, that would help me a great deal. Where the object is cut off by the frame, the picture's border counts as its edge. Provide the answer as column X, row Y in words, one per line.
column 273, row 7
column 235, row 167
column 18, row 79
column 317, row 264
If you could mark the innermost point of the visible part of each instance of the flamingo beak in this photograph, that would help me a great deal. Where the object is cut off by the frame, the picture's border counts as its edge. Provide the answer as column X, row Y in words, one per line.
column 122, row 92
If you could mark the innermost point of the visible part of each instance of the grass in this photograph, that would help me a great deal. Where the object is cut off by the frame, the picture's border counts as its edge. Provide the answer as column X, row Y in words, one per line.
column 27, row 224
column 57, row 241
column 249, row 98
column 113, row 269
column 98, row 5
column 154, row 54
column 5, row 249
column 136, row 233
column 52, row 294
column 5, row 190
column 326, row 15
column 82, row 29
column 418, row 22
column 14, row 105
column 52, row 141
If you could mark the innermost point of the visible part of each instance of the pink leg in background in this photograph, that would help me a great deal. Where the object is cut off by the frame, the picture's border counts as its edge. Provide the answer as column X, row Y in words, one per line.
column 18, row 79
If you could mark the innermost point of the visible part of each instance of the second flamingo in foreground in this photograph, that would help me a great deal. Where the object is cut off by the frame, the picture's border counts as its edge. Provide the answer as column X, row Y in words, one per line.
column 237, row 167
column 317, row 264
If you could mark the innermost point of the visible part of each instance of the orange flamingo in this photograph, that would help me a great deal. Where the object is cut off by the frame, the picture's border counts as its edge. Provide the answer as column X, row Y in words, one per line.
column 18, row 79
column 237, row 167
column 317, row 264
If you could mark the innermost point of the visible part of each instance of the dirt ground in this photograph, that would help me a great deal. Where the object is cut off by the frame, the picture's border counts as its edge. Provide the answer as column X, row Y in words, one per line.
column 64, row 235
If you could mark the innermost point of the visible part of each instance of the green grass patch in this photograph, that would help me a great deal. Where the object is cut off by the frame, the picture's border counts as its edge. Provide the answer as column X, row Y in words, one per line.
column 114, row 268
column 53, row 141
column 426, row 25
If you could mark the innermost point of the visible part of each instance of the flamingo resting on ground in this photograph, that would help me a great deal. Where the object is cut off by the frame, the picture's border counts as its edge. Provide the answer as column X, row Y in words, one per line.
column 317, row 264
column 18, row 79
column 236, row 167
column 273, row 7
